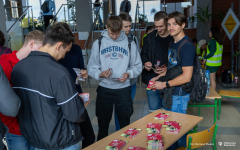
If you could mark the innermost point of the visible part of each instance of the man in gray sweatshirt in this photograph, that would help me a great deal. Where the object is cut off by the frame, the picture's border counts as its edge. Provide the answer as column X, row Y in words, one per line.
column 126, row 27
column 114, row 64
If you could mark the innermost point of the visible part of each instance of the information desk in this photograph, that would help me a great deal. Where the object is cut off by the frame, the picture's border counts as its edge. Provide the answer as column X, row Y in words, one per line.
column 187, row 121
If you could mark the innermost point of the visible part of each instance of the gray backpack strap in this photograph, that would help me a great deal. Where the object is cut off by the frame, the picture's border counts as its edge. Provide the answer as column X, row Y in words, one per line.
column 100, row 42
column 130, row 39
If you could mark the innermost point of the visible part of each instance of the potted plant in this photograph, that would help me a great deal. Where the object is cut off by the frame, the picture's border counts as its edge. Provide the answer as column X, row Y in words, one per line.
column 203, row 15
column 143, row 20
column 191, row 21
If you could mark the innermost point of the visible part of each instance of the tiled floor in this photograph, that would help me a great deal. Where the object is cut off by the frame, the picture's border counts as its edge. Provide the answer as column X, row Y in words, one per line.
column 229, row 123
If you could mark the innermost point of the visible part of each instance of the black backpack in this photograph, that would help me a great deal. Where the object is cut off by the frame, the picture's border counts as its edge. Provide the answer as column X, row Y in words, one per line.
column 45, row 7
column 199, row 80
column 226, row 77
column 130, row 39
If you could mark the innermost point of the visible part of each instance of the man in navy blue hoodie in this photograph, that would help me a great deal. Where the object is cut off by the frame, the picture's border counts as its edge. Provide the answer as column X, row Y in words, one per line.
column 180, row 98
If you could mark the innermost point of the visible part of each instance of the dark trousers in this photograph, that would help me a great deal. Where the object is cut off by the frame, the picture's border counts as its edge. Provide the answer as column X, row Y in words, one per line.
column 106, row 98
column 47, row 19
column 87, row 132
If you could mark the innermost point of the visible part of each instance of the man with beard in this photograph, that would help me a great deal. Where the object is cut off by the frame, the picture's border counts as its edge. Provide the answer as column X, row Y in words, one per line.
column 155, row 48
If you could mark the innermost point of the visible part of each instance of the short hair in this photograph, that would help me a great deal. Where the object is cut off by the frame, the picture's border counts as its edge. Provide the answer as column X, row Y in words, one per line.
column 114, row 23
column 160, row 15
column 2, row 38
column 37, row 36
column 216, row 34
column 59, row 32
column 179, row 17
column 194, row 40
column 125, row 17
column 149, row 28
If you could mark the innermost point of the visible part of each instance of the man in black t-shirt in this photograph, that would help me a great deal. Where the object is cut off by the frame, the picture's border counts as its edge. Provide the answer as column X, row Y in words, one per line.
column 155, row 47
column 180, row 98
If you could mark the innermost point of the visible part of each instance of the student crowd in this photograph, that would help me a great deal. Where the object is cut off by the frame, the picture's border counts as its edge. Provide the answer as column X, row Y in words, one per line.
column 42, row 110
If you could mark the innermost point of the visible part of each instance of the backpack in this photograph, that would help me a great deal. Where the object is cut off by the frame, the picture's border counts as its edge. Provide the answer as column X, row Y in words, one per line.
column 199, row 80
column 130, row 39
column 45, row 7
column 226, row 77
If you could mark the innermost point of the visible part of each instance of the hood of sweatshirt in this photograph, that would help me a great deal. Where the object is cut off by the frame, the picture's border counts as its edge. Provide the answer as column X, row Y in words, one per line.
column 121, row 37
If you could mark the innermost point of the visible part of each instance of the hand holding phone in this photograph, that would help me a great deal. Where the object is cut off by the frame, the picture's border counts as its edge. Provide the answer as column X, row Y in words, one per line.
column 161, row 69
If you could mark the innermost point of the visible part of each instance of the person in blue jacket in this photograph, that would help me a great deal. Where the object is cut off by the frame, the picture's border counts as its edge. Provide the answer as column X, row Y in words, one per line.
column 49, row 15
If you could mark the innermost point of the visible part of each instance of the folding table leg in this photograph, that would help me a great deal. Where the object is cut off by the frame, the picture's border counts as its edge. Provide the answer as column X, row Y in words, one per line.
column 215, row 110
column 219, row 108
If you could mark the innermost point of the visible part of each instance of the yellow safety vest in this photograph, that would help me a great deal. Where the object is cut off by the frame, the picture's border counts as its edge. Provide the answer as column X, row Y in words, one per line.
column 198, row 50
column 216, row 60
column 203, row 53
column 143, row 38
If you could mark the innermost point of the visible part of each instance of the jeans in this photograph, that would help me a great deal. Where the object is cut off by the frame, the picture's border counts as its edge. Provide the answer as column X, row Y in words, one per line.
column 47, row 19
column 179, row 105
column 100, row 19
column 73, row 147
column 87, row 132
column 106, row 99
column 154, row 100
column 133, row 93
column 17, row 142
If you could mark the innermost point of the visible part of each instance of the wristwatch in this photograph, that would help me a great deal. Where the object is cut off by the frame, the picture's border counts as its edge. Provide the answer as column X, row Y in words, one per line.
column 167, row 84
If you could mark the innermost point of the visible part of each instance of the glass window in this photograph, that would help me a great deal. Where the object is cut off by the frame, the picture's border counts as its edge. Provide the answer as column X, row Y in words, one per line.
column 151, row 7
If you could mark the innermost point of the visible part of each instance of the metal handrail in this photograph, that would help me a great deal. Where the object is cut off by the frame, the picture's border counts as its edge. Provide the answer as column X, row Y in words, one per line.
column 18, row 7
column 91, row 31
column 136, row 34
column 93, row 25
column 56, row 15
column 136, row 15
column 21, row 17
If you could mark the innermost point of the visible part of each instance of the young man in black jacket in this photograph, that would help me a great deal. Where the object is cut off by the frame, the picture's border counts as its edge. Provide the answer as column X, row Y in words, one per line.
column 51, row 108
column 74, row 59
column 155, row 47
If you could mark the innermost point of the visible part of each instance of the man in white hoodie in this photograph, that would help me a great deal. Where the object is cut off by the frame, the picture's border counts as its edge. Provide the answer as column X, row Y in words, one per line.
column 114, row 62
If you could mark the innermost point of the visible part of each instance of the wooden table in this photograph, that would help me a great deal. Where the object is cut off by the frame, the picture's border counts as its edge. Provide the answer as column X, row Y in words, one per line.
column 217, row 100
column 187, row 121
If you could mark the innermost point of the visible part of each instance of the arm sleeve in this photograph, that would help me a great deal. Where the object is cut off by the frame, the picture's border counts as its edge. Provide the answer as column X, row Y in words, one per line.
column 121, row 5
column 187, row 55
column 9, row 101
column 67, row 98
column 7, row 69
column 212, row 48
column 94, row 66
column 135, row 67
column 137, row 43
column 80, row 58
column 53, row 6
column 130, row 6
column 145, row 49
